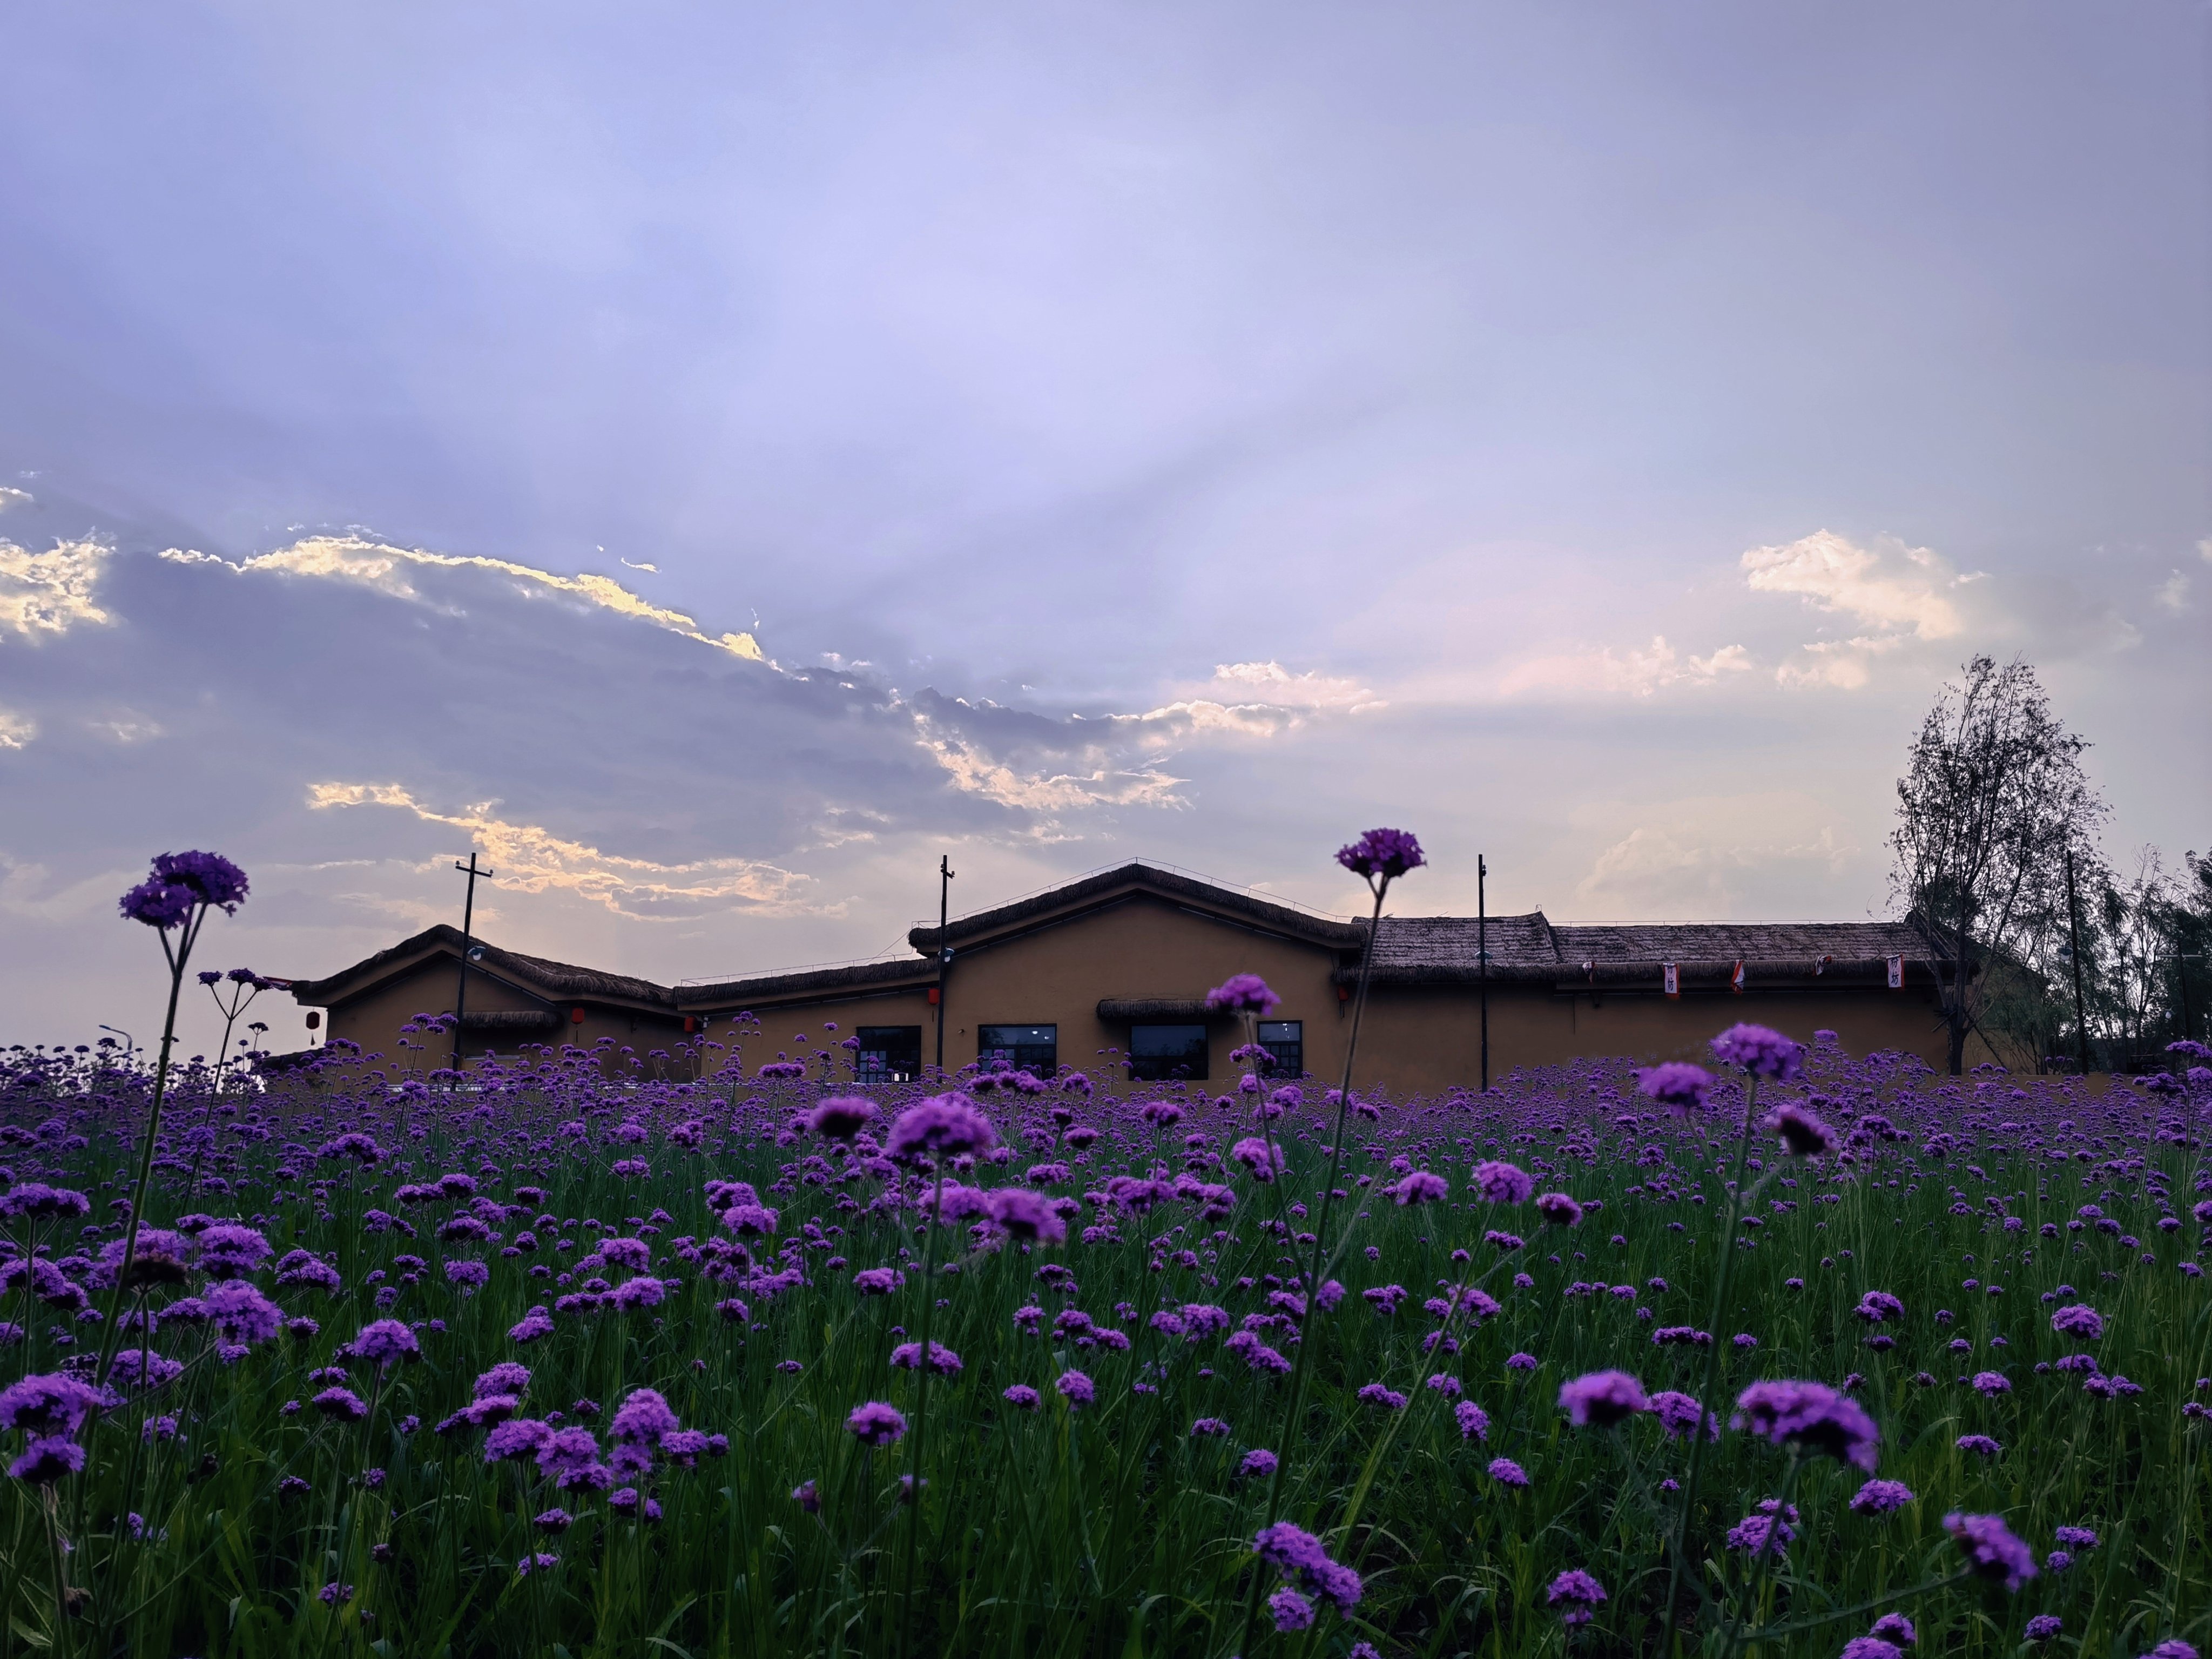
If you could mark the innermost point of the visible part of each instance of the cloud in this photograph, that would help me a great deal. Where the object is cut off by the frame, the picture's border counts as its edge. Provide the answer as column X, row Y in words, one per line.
column 1869, row 584
column 384, row 568
column 1602, row 673
column 976, row 772
column 17, row 730
column 1270, row 683
column 532, row 860
column 2174, row 594
column 46, row 594
column 1712, row 854
column 11, row 497
column 1894, row 594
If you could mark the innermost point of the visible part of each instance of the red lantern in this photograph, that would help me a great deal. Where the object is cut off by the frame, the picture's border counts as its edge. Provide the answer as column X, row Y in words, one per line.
column 575, row 1016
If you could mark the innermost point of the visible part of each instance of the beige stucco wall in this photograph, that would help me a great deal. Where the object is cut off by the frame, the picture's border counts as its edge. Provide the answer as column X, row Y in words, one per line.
column 1420, row 1039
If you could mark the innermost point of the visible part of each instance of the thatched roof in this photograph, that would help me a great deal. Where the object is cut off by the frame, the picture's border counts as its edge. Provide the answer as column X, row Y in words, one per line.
column 555, row 981
column 764, row 987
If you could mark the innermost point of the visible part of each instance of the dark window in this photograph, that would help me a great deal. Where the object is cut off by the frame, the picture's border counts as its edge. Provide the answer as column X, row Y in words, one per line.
column 1157, row 1053
column 1285, row 1040
column 1034, row 1048
column 890, row 1054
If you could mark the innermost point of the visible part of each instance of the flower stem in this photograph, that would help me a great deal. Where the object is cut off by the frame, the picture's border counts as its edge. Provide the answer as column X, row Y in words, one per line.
column 1320, row 1257
column 921, row 1408
column 1697, row 1436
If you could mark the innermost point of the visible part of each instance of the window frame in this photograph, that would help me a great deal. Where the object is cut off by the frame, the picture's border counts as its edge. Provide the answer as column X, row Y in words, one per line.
column 890, row 1072
column 1277, row 1065
column 1040, row 1059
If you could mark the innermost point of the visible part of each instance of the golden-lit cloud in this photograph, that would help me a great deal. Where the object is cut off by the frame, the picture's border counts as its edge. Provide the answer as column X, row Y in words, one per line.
column 17, row 730
column 387, row 569
column 46, row 594
column 977, row 774
column 532, row 860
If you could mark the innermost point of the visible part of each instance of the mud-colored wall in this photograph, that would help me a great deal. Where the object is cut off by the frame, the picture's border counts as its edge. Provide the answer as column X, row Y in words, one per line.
column 375, row 1020
column 1418, row 1039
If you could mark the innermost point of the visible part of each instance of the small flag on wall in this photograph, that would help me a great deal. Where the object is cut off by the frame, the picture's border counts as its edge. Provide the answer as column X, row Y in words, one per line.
column 1736, row 980
column 1897, row 973
column 1674, row 984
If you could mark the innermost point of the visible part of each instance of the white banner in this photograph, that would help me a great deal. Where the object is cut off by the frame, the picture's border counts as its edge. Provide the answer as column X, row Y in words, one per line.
column 1673, row 985
column 1897, row 973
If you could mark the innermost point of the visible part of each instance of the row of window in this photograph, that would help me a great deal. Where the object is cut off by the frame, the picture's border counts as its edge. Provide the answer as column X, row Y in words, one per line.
column 892, row 1054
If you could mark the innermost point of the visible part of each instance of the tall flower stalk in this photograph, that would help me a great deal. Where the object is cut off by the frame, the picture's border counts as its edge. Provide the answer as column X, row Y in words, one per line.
column 1378, row 858
column 1761, row 1053
column 174, row 899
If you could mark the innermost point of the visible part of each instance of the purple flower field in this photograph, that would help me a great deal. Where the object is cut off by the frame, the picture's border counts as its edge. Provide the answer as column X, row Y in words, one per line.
column 596, row 1352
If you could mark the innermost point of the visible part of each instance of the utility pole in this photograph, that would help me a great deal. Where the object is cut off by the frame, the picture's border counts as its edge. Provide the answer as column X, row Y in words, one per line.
column 2074, row 948
column 468, row 922
column 945, row 874
column 1482, row 957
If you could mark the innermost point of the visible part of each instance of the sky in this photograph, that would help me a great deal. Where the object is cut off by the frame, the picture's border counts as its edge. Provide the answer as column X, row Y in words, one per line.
column 714, row 460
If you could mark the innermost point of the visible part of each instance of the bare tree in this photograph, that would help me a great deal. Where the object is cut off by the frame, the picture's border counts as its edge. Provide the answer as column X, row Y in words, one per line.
column 1992, row 799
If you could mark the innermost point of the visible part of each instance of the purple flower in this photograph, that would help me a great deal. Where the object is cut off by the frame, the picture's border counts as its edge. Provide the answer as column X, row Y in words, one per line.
column 1602, row 1399
column 1870, row 1647
column 36, row 1202
column 1077, row 1389
column 1420, row 1188
column 876, row 1423
column 516, row 1438
column 643, row 1418
column 1374, row 1394
column 840, row 1117
column 1241, row 994
column 1027, row 1215
column 1473, row 1421
column 156, row 903
column 1880, row 1497
column 1979, row 1443
column 1209, row 1425
column 1388, row 853
column 47, row 1405
column 2076, row 1538
column 1292, row 1610
column 1559, row 1210
column 1507, row 1472
column 2043, row 1627
column 1678, row 1415
column 342, row 1404
column 1261, row 1159
column 1257, row 1464
column 1024, row 1396
column 2079, row 1321
column 907, row 1357
column 1989, row 1385
column 1875, row 1306
column 385, row 1342
column 943, row 1125
column 808, row 1497
column 2173, row 1647
column 1576, row 1594
column 1811, row 1415
column 1676, row 1085
column 1991, row 1549
column 1770, row 1526
column 1761, row 1052
column 1805, row 1135
column 1502, row 1183
column 1299, row 1556
column 47, row 1459
column 1521, row 1362
column 1895, row 1627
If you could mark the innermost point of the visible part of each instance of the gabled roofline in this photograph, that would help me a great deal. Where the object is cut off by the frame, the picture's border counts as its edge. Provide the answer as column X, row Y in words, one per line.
column 535, row 977
column 1095, row 892
column 770, row 987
